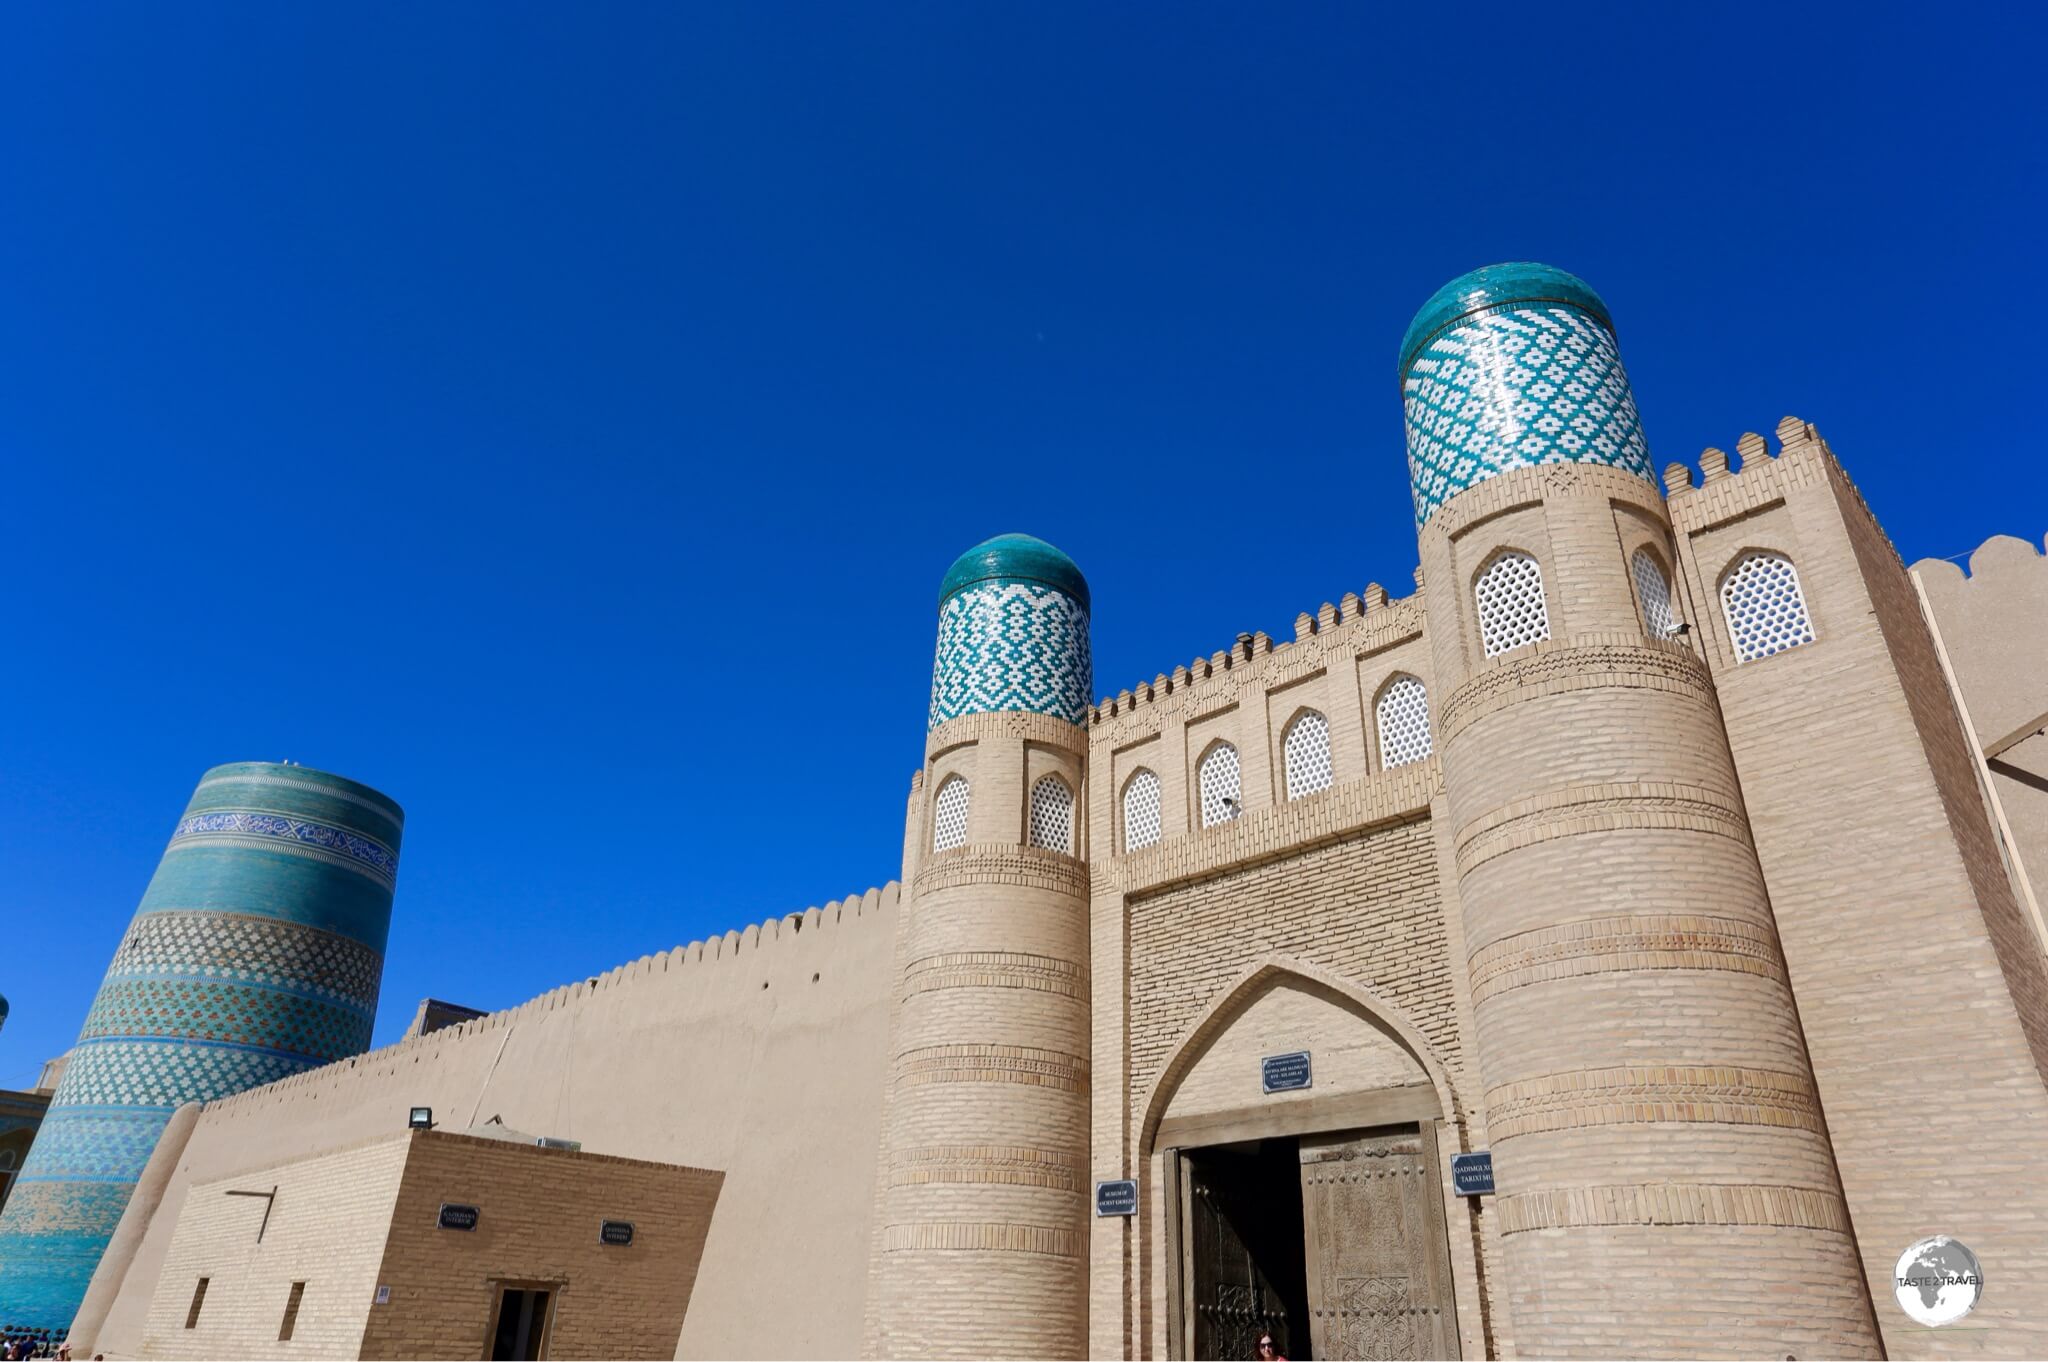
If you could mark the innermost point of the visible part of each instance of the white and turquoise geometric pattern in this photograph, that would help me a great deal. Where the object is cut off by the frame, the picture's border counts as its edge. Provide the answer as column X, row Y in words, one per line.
column 1011, row 646
column 242, row 948
column 167, row 1073
column 1512, row 387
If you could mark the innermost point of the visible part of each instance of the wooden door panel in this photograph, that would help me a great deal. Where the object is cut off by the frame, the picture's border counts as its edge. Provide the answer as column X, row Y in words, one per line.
column 1234, row 1301
column 1378, row 1265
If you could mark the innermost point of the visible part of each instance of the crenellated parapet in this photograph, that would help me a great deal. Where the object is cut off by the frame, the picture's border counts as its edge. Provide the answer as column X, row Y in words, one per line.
column 873, row 910
column 1355, row 621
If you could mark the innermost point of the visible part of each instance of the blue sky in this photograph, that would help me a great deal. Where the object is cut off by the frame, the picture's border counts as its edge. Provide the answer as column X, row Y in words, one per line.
column 560, row 417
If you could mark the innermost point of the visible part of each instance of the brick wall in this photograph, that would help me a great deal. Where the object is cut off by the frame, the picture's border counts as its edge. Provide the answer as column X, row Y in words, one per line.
column 539, row 1213
column 326, row 1227
column 1914, row 974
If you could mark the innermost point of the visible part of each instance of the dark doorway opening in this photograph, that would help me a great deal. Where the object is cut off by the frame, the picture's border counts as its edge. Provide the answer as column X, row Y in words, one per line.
column 1246, row 1249
column 522, row 1324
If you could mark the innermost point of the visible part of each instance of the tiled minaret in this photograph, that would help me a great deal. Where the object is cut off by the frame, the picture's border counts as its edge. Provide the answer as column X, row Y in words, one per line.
column 1658, row 1143
column 980, row 1247
column 256, row 953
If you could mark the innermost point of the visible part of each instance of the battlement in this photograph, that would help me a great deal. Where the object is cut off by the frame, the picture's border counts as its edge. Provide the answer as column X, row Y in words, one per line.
column 1757, row 475
column 1353, row 614
column 738, row 945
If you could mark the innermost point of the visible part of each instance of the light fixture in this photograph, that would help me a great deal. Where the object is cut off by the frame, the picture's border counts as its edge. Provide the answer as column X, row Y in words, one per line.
column 422, row 1118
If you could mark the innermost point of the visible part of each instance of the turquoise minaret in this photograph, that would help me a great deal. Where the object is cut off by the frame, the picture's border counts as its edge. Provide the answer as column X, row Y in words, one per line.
column 257, row 953
column 1511, row 366
column 981, row 1248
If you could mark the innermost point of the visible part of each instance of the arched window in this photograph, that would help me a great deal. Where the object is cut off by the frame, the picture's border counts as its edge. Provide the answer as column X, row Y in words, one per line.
column 1511, row 608
column 1308, row 755
column 1403, row 717
column 1141, row 811
column 1653, row 589
column 1219, row 785
column 949, row 815
column 1052, row 815
column 1765, row 607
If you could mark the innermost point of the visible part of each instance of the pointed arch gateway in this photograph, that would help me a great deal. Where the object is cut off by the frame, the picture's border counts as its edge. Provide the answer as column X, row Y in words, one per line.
column 1319, row 1215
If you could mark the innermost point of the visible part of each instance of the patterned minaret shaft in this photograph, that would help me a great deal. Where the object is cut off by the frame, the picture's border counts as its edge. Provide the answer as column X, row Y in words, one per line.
column 1658, row 1144
column 256, row 954
column 981, row 1247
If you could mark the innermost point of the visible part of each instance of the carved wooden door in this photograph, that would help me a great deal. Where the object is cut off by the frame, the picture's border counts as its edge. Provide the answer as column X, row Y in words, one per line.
column 1234, row 1302
column 1379, row 1280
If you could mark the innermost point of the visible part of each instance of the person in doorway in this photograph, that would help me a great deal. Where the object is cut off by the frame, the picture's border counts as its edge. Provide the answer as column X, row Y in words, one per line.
column 1267, row 1352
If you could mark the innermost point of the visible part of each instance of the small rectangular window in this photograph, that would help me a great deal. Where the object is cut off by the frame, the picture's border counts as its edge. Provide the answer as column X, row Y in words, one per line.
column 198, row 1299
column 291, row 1313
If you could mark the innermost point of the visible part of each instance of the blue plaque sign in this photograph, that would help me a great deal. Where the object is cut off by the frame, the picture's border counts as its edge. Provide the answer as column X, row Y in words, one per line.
column 1284, row 1073
column 455, row 1217
column 1116, row 1198
column 1472, row 1174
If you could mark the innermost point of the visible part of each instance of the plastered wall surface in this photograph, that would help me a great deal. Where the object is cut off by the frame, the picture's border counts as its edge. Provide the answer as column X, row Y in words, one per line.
column 761, row 1054
column 1994, row 624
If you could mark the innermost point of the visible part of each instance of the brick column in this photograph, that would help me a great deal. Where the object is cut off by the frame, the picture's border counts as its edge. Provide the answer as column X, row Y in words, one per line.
column 982, row 1242
column 1667, row 1187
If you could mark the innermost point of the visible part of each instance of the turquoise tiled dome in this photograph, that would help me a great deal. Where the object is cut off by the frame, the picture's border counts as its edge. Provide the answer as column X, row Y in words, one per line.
column 1522, row 281
column 1013, row 633
column 1508, row 367
column 1015, row 558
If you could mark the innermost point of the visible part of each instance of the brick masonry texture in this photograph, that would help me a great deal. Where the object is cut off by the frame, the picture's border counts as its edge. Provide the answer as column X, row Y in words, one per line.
column 1893, row 906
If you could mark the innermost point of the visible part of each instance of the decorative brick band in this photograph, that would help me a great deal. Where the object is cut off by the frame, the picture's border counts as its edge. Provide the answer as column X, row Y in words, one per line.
column 1589, row 663
column 1598, row 808
column 1600, row 1097
column 1006, row 726
column 1613, row 944
column 999, row 863
column 1375, row 800
column 999, row 1236
column 991, row 1064
column 1674, row 1203
column 1001, row 1165
column 996, row 969
column 300, row 836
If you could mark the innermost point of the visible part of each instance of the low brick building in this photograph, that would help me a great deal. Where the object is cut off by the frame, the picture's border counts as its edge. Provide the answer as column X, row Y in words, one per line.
column 1546, row 960
column 425, row 1244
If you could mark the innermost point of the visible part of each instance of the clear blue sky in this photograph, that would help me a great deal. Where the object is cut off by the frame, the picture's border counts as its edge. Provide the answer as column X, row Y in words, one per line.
column 560, row 417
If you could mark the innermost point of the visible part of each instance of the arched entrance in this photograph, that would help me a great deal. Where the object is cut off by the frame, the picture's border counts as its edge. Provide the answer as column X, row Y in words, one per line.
column 1313, row 1212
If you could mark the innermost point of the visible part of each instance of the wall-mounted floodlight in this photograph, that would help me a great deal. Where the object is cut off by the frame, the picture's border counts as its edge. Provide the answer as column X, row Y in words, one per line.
column 422, row 1118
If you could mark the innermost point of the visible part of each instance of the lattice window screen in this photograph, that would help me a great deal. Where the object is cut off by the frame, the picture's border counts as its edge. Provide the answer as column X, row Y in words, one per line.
column 1403, row 716
column 1308, row 755
column 1141, row 811
column 1219, row 777
column 1655, row 593
column 1511, row 608
column 1052, row 815
column 949, row 815
column 1765, row 607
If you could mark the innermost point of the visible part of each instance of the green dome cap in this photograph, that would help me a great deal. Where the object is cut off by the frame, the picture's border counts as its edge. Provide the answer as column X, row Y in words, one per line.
column 1015, row 558
column 1498, row 286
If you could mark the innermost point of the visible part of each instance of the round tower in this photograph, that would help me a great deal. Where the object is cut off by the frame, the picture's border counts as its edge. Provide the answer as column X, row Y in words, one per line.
column 981, row 1245
column 1658, row 1143
column 256, row 953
